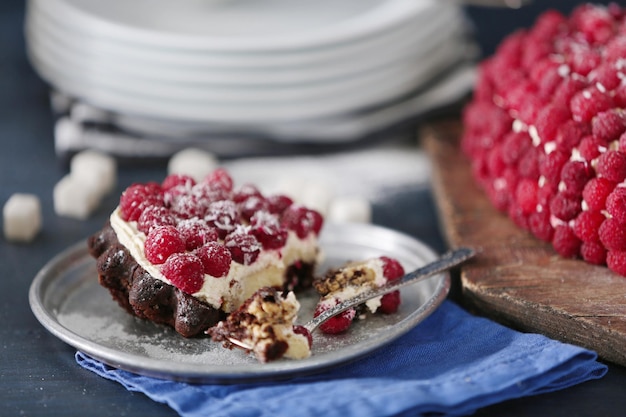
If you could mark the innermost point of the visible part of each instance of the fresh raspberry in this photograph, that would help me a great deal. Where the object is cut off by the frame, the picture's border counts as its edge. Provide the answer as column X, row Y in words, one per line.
column 392, row 268
column 540, row 226
column 596, row 23
column 188, row 206
column 268, row 231
column 608, row 125
column 302, row 220
column 615, row 49
column 185, row 271
column 220, row 179
column 606, row 75
column 575, row 175
column 613, row 235
column 278, row 203
column 612, row 166
column 181, row 181
column 616, row 204
column 223, row 215
column 529, row 163
column 587, row 224
column 565, row 242
column 390, row 302
column 591, row 147
column 337, row 324
column 550, row 166
column 565, row 206
column 514, row 146
column 196, row 232
column 548, row 24
column 616, row 261
column 593, row 252
column 251, row 205
column 298, row 329
column 154, row 216
column 244, row 247
column 583, row 60
column 621, row 144
column 568, row 88
column 518, row 216
column 137, row 197
column 549, row 119
column 161, row 243
column 570, row 133
column 245, row 192
column 596, row 191
column 526, row 195
column 216, row 259
column 587, row 103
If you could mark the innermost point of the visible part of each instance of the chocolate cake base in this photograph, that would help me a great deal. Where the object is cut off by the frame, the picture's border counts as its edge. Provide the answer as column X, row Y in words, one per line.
column 148, row 298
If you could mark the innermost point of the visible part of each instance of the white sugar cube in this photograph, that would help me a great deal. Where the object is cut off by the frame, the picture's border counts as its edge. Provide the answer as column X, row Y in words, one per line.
column 95, row 170
column 73, row 199
column 350, row 209
column 194, row 162
column 22, row 217
column 317, row 196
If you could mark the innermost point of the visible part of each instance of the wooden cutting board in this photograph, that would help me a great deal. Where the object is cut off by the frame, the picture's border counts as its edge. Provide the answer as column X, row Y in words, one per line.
column 517, row 279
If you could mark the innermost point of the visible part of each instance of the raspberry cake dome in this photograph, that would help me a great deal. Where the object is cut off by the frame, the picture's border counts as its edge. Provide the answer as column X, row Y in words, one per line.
column 545, row 132
column 187, row 253
column 351, row 280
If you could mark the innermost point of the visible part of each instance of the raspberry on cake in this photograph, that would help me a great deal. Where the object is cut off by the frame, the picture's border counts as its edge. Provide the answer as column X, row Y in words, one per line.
column 546, row 128
column 351, row 280
column 265, row 325
column 188, row 253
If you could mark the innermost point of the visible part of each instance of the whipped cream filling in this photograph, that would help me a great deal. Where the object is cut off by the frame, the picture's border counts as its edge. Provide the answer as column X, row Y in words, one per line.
column 229, row 292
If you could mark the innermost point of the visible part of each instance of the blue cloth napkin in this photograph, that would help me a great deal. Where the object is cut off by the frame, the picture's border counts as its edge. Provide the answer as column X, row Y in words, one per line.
column 452, row 364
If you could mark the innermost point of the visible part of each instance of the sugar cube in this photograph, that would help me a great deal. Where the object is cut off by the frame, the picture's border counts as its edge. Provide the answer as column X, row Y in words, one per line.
column 350, row 209
column 194, row 162
column 95, row 170
column 73, row 199
column 22, row 217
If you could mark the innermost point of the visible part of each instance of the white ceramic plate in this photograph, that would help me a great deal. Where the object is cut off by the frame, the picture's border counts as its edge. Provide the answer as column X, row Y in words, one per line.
column 67, row 299
column 234, row 25
column 432, row 20
column 243, row 106
column 81, row 53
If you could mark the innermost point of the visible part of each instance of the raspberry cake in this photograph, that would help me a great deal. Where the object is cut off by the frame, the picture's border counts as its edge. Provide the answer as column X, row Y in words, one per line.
column 545, row 132
column 351, row 280
column 265, row 325
column 187, row 254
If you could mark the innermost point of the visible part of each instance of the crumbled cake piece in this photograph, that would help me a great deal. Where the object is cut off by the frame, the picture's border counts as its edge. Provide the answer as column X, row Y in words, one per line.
column 265, row 323
column 351, row 280
column 546, row 131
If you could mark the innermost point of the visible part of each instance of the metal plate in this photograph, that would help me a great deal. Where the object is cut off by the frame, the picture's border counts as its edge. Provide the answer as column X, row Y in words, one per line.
column 66, row 298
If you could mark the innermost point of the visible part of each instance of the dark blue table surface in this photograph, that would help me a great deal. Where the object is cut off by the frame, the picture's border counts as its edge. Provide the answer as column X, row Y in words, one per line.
column 38, row 375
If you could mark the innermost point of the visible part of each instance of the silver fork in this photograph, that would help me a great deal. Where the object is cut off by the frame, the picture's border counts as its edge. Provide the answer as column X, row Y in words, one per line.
column 448, row 260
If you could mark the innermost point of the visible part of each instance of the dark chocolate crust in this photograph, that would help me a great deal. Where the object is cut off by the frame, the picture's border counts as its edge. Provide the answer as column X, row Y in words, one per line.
column 148, row 298
column 144, row 296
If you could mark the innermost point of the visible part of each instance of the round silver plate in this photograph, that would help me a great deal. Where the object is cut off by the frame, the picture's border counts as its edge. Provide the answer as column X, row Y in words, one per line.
column 68, row 301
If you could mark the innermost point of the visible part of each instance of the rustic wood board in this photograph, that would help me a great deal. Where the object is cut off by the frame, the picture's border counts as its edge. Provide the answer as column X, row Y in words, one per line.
column 517, row 279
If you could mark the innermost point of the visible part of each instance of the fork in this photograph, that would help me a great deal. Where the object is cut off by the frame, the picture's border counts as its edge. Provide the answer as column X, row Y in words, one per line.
column 448, row 260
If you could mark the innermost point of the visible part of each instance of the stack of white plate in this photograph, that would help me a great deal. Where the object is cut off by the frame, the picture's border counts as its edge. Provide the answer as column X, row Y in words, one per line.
column 249, row 65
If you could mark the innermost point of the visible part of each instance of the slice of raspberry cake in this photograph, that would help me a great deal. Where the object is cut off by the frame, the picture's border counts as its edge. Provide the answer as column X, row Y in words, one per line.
column 351, row 280
column 545, row 131
column 187, row 254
